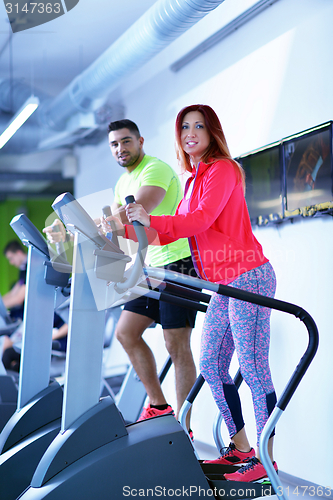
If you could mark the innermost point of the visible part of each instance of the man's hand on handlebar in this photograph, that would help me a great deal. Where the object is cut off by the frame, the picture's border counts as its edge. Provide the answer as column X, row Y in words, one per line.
column 56, row 232
column 135, row 211
column 103, row 224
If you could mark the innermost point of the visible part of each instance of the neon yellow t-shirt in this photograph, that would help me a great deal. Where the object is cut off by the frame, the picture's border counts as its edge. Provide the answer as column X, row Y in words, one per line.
column 154, row 172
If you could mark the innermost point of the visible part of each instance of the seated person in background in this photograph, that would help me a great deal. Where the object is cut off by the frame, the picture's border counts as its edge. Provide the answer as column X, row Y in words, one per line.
column 11, row 357
column 14, row 302
column 59, row 334
column 157, row 187
column 14, row 299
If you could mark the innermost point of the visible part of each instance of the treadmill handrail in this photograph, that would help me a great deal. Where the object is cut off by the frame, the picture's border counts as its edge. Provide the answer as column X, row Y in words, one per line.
column 298, row 312
column 299, row 372
column 261, row 300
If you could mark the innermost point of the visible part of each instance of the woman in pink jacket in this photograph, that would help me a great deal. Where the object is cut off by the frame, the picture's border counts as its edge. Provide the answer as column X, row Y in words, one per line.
column 214, row 216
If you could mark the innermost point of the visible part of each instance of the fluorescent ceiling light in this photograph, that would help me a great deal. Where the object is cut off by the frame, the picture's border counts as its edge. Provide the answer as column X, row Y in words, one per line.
column 20, row 117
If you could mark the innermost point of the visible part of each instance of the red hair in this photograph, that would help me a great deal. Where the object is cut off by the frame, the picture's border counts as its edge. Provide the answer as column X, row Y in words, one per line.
column 218, row 148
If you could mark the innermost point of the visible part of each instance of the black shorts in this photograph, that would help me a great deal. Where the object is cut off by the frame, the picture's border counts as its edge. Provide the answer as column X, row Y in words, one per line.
column 168, row 315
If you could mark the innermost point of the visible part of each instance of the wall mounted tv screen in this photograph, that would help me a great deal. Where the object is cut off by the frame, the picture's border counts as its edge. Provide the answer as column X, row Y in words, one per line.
column 308, row 167
column 263, row 182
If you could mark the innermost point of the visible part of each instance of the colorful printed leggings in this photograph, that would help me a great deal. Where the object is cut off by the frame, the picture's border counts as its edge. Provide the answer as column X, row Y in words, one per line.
column 233, row 324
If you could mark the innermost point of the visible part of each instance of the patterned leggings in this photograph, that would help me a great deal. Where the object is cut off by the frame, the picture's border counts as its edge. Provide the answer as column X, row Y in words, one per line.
column 233, row 324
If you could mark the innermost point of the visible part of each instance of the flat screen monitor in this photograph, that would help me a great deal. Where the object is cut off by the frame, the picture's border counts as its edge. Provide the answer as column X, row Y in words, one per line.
column 308, row 167
column 263, row 182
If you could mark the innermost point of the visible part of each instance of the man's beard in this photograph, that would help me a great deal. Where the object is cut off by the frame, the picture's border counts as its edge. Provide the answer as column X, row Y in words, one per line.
column 129, row 161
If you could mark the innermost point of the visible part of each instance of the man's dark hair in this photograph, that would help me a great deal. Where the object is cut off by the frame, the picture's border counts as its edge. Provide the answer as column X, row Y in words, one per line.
column 131, row 126
column 13, row 246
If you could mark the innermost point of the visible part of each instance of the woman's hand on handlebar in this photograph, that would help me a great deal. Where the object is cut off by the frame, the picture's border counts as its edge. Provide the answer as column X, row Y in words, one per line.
column 136, row 212
column 56, row 232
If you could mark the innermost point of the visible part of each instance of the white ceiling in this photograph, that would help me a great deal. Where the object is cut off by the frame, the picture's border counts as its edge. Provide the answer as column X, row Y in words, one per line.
column 49, row 56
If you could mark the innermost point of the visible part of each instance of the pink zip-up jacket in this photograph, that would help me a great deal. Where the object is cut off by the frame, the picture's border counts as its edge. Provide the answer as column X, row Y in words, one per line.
column 216, row 221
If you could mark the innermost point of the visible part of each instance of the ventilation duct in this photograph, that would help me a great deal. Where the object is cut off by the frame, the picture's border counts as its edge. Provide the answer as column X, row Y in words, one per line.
column 155, row 30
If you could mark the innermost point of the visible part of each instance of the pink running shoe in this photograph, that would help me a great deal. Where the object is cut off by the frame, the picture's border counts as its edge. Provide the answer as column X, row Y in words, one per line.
column 253, row 471
column 149, row 412
column 232, row 456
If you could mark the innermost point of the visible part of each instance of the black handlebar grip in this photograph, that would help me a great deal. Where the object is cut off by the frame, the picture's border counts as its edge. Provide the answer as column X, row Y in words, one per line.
column 130, row 199
column 106, row 211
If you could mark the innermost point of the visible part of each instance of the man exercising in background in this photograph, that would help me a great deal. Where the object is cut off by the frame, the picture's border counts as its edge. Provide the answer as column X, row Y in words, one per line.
column 156, row 186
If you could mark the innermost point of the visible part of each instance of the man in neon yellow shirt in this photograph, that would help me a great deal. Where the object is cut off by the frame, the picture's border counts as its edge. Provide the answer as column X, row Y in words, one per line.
column 156, row 186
